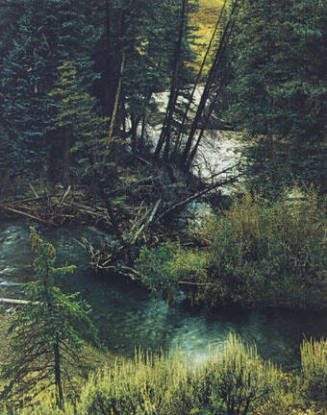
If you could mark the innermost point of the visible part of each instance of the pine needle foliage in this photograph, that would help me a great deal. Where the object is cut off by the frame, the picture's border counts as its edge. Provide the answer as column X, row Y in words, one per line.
column 77, row 119
column 47, row 334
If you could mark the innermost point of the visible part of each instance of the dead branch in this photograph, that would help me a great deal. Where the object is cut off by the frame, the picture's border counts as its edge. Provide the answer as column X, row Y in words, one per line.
column 194, row 197
column 14, row 301
column 28, row 215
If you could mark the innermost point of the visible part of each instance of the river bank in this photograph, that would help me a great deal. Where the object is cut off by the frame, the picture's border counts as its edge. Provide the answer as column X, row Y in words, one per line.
column 128, row 317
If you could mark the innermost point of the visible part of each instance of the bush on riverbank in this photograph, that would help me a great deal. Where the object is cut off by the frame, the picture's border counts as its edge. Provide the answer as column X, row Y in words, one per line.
column 270, row 254
column 257, row 254
column 235, row 381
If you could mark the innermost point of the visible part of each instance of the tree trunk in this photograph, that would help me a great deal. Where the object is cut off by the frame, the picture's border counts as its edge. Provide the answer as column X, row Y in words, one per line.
column 208, row 85
column 66, row 158
column 165, row 136
column 198, row 78
column 117, row 98
column 57, row 370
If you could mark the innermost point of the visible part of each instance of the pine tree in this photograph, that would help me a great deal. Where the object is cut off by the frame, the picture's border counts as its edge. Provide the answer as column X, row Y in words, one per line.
column 47, row 334
column 25, row 107
column 44, row 36
column 76, row 117
column 280, row 90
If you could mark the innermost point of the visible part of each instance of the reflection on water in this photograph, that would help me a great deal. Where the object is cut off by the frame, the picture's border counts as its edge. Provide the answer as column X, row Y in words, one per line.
column 129, row 318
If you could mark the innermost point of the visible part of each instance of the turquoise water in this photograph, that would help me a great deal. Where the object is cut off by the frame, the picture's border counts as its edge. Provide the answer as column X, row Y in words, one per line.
column 128, row 317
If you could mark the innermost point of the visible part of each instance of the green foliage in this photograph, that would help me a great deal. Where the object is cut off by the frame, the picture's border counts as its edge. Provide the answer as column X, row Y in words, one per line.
column 230, row 382
column 42, row 36
column 148, row 385
column 77, row 120
column 269, row 253
column 47, row 334
column 155, row 267
column 280, row 89
column 240, row 379
column 164, row 268
column 257, row 254
column 314, row 371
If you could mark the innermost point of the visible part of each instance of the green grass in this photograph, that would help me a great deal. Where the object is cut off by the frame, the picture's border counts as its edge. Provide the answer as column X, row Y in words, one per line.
column 232, row 381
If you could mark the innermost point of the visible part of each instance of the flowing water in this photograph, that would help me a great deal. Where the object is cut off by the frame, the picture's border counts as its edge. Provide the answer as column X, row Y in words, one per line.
column 129, row 318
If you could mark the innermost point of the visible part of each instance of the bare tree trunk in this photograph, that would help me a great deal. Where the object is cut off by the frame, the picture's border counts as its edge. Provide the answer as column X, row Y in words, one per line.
column 204, row 123
column 198, row 78
column 134, row 124
column 57, row 370
column 208, row 85
column 66, row 157
column 108, row 62
column 117, row 98
column 166, row 128
column 144, row 121
column 114, row 114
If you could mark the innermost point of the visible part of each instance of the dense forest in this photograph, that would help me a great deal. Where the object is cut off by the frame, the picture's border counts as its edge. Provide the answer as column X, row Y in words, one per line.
column 115, row 114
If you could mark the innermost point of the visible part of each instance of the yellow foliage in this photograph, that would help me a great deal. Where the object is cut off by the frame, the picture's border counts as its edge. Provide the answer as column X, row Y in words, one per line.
column 205, row 20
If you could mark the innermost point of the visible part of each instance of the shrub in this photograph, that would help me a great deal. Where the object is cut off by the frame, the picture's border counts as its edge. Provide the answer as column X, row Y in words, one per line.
column 314, row 371
column 232, row 381
column 154, row 266
column 149, row 385
column 241, row 380
column 167, row 267
column 269, row 253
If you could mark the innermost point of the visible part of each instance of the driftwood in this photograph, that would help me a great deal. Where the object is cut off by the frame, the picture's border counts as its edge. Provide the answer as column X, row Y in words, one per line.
column 147, row 222
column 14, row 301
column 28, row 215
column 30, row 199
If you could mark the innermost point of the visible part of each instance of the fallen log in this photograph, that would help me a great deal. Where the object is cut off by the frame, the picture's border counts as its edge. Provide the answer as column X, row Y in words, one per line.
column 14, row 301
column 31, row 199
column 28, row 215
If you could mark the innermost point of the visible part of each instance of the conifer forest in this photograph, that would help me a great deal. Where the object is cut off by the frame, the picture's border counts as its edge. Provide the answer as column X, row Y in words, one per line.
column 163, row 207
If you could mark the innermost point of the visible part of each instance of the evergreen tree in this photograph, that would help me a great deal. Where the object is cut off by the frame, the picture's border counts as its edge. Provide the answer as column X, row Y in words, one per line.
column 44, row 36
column 280, row 90
column 25, row 107
column 76, row 118
column 47, row 334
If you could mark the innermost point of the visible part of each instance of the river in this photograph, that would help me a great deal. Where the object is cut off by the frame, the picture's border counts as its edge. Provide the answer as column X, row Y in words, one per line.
column 128, row 317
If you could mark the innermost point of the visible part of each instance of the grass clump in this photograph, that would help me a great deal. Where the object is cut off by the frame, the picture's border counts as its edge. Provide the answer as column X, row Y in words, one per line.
column 314, row 371
column 241, row 381
column 231, row 381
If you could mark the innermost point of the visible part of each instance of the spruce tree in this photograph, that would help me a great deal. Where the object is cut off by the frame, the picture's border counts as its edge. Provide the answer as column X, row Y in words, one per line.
column 82, row 128
column 44, row 36
column 47, row 334
column 280, row 91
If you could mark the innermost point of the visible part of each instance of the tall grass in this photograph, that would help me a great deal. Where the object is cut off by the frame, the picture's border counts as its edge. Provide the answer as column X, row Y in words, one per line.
column 314, row 371
column 234, row 381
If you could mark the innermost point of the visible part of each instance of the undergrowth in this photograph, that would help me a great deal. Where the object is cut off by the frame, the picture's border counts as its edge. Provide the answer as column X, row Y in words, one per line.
column 257, row 253
column 232, row 381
